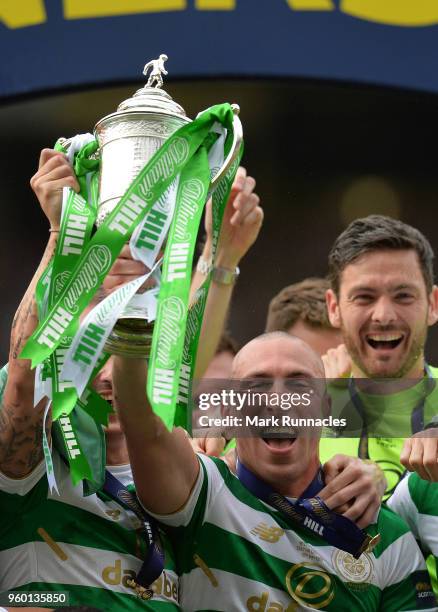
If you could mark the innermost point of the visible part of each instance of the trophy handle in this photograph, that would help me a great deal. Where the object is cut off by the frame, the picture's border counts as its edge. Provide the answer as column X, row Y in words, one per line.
column 237, row 141
column 235, row 147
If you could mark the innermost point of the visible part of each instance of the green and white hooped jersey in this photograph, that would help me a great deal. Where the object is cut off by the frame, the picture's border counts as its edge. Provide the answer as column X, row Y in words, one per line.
column 235, row 553
column 86, row 546
column 416, row 501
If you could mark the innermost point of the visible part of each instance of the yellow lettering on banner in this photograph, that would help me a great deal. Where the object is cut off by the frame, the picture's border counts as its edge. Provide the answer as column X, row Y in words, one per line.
column 21, row 14
column 80, row 9
column 394, row 12
column 215, row 5
column 311, row 5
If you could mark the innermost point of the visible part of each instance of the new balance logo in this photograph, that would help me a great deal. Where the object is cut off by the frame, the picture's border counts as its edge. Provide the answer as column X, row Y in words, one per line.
column 268, row 534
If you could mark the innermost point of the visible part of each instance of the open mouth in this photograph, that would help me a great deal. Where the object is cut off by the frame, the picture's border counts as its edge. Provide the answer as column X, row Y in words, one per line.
column 279, row 439
column 384, row 341
column 279, row 443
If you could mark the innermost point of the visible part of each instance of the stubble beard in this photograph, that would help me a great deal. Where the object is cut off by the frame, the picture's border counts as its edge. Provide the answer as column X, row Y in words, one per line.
column 416, row 352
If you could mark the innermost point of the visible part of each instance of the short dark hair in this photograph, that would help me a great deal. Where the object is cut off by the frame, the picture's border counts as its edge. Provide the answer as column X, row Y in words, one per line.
column 374, row 233
column 304, row 300
column 227, row 344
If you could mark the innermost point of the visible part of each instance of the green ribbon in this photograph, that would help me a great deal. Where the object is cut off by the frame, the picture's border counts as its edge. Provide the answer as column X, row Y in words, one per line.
column 75, row 229
column 85, row 167
column 184, row 153
column 196, row 313
column 103, row 249
column 170, row 324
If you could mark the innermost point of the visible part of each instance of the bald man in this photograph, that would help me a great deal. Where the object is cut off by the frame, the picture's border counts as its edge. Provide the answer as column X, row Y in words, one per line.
column 234, row 550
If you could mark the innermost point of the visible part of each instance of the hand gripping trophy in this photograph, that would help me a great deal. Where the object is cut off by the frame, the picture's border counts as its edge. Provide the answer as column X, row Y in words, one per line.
column 146, row 175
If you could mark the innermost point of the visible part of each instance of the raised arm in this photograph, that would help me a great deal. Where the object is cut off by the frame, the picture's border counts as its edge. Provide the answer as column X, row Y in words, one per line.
column 21, row 422
column 241, row 225
column 164, row 465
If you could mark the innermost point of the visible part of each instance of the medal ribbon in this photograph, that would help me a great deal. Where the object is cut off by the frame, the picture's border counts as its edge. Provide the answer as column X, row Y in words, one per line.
column 153, row 564
column 310, row 512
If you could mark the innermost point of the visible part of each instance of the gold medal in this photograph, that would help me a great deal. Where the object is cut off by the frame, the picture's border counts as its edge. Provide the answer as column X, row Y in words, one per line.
column 141, row 591
column 372, row 543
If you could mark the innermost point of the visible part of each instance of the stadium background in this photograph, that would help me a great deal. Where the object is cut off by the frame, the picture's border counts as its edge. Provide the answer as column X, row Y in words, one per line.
column 338, row 103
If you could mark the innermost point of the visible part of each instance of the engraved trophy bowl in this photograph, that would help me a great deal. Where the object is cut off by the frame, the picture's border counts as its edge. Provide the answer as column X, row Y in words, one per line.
column 127, row 139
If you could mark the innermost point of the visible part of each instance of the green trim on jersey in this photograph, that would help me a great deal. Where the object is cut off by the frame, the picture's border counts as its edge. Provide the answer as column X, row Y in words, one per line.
column 97, row 539
column 89, row 546
column 233, row 552
column 424, row 494
column 416, row 501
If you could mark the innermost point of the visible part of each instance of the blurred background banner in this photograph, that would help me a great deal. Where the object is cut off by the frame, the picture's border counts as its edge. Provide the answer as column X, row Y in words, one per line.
column 56, row 44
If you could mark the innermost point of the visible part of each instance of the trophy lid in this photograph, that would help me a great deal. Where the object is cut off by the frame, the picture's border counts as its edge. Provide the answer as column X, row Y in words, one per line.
column 151, row 98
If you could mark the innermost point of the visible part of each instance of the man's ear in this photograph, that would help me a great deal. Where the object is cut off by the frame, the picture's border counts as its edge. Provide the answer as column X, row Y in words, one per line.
column 333, row 308
column 432, row 315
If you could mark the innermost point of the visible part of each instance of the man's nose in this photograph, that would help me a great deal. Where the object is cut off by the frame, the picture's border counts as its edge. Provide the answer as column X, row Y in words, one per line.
column 106, row 373
column 277, row 387
column 384, row 311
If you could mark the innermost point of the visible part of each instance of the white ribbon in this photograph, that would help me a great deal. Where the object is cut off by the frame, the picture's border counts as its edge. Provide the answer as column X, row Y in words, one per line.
column 104, row 315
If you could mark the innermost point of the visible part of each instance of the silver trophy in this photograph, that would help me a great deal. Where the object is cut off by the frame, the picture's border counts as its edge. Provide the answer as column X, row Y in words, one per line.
column 127, row 140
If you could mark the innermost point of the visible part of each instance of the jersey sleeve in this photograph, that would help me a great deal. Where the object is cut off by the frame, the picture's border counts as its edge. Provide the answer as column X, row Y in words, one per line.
column 22, row 486
column 405, row 582
column 416, row 501
column 183, row 527
column 402, row 504
column 412, row 593
column 207, row 486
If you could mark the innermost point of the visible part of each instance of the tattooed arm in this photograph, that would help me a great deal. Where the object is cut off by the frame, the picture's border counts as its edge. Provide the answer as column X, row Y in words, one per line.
column 20, row 422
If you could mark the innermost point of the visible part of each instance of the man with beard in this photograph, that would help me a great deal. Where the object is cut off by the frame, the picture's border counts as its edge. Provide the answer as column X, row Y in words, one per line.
column 383, row 299
column 238, row 543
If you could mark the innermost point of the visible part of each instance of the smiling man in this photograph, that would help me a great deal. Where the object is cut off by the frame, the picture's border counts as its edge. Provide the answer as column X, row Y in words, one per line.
column 383, row 299
column 386, row 302
column 237, row 547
